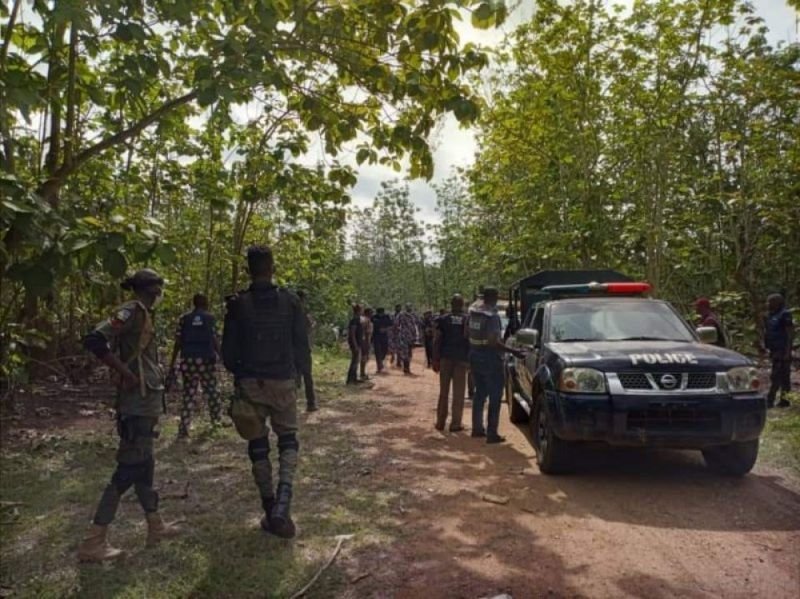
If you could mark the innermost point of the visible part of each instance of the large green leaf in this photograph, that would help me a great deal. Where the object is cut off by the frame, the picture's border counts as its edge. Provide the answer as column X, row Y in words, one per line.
column 114, row 263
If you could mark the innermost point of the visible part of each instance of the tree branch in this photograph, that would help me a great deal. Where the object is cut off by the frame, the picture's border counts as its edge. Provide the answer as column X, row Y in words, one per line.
column 54, row 183
column 12, row 19
column 72, row 109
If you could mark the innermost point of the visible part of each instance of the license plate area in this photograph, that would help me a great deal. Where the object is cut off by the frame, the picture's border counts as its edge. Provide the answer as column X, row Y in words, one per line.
column 674, row 417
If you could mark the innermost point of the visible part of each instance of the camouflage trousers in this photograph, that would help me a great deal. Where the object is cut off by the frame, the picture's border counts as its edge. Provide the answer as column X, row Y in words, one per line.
column 259, row 404
column 135, row 467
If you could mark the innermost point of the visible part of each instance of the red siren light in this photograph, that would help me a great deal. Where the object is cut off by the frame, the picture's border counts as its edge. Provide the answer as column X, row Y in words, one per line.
column 628, row 287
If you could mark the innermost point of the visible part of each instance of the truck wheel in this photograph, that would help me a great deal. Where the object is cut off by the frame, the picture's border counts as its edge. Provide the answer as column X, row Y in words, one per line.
column 735, row 459
column 552, row 453
column 516, row 412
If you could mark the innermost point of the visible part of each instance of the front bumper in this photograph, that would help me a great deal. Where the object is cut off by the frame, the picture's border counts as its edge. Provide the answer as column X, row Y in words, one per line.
column 685, row 422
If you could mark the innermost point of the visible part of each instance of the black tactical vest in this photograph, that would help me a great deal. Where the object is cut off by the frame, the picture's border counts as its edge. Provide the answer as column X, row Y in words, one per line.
column 265, row 324
column 197, row 335
column 454, row 344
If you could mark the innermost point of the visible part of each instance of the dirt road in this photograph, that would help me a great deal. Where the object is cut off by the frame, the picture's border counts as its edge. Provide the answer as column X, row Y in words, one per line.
column 627, row 524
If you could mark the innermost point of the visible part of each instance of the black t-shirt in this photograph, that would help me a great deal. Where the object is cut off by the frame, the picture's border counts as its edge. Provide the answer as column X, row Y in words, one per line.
column 381, row 321
column 454, row 344
column 359, row 331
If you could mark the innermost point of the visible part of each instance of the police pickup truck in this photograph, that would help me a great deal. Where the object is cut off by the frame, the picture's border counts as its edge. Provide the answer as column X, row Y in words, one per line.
column 605, row 363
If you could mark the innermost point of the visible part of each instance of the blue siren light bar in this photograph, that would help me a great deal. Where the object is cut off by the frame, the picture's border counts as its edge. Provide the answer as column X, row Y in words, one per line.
column 610, row 288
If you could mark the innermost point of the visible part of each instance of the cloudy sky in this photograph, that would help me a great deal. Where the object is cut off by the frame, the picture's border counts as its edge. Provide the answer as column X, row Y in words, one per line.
column 456, row 147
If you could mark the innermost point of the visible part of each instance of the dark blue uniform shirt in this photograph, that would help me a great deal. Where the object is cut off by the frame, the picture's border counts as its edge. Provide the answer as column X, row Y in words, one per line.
column 776, row 335
column 196, row 331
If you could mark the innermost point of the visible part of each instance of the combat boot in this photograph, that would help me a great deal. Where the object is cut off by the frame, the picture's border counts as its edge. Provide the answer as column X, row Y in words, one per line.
column 268, row 503
column 280, row 522
column 158, row 530
column 95, row 547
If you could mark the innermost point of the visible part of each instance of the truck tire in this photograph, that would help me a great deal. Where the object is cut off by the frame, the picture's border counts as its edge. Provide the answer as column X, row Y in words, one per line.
column 553, row 455
column 735, row 459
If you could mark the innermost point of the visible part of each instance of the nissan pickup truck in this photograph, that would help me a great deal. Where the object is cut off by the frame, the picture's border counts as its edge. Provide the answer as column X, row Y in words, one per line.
column 604, row 363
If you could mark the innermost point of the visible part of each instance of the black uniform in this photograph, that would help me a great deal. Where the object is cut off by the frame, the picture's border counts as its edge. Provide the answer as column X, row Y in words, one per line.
column 264, row 345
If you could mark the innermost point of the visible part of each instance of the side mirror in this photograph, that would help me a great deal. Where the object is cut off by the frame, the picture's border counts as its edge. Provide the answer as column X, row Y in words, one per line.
column 707, row 334
column 528, row 338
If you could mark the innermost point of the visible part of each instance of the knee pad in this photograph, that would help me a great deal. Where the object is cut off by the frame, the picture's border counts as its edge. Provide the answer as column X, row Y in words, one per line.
column 288, row 441
column 258, row 449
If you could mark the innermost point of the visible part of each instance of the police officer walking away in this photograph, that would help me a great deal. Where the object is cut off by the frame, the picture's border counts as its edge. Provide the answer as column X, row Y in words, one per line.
column 382, row 324
column 198, row 345
column 486, row 362
column 451, row 361
column 355, row 339
column 138, row 406
column 778, row 338
column 264, row 345
column 306, row 376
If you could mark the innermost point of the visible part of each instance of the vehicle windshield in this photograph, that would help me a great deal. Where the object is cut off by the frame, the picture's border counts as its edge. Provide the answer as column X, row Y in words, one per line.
column 616, row 321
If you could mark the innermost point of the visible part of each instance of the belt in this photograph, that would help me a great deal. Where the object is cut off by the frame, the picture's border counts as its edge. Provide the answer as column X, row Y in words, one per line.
column 481, row 343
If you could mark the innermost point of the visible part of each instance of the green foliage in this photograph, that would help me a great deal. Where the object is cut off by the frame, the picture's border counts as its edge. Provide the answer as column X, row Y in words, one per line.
column 386, row 250
column 628, row 140
column 167, row 133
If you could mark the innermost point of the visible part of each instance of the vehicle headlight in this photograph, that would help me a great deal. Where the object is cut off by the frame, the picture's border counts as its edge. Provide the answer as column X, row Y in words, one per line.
column 743, row 379
column 582, row 380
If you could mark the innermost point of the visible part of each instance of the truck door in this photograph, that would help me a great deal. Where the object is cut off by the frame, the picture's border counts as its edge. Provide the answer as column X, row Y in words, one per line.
column 528, row 367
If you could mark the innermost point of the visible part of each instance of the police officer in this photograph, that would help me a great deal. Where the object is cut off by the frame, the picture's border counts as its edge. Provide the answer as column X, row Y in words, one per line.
column 197, row 343
column 355, row 339
column 307, row 376
column 264, row 345
column 382, row 324
column 486, row 362
column 778, row 339
column 138, row 405
column 451, row 361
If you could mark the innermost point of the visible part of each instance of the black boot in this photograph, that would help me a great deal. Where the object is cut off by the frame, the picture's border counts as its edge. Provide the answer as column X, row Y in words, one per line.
column 268, row 503
column 281, row 524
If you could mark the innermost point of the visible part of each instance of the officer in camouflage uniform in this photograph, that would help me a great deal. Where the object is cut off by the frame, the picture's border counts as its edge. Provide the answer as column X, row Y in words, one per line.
column 264, row 345
column 135, row 359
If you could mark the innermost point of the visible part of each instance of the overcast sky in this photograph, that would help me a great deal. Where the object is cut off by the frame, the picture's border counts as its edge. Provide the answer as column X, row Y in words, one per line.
column 456, row 147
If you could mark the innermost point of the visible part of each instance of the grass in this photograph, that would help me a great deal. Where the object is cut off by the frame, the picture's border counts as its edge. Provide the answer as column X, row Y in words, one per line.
column 780, row 442
column 58, row 480
column 58, row 477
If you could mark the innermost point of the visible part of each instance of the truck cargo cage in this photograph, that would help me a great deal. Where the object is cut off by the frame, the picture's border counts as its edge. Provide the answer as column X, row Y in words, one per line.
column 527, row 292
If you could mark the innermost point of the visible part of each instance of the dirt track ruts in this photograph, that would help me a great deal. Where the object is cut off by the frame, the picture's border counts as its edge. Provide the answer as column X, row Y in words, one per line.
column 626, row 524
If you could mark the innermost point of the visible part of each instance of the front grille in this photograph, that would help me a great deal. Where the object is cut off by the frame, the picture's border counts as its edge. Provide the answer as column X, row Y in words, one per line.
column 675, row 419
column 667, row 381
column 634, row 380
column 702, row 380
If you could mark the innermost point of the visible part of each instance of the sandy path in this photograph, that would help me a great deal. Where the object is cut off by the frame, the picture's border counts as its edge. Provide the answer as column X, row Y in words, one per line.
column 627, row 524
